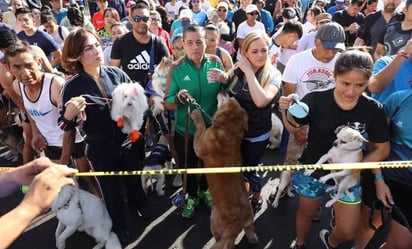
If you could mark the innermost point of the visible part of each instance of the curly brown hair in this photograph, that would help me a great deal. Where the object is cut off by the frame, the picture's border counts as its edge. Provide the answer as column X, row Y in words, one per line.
column 73, row 48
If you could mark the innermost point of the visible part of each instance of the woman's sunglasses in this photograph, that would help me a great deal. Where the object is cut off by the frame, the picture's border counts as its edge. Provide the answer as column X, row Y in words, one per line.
column 140, row 18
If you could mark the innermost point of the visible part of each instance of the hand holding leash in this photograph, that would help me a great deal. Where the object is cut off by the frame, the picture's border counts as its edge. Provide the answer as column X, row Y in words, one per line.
column 184, row 97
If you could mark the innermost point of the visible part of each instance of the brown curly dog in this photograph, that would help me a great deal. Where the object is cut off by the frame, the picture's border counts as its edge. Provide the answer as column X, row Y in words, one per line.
column 220, row 146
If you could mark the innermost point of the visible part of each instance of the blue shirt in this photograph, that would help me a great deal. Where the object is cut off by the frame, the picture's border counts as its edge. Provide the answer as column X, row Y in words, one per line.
column 59, row 16
column 267, row 20
column 400, row 79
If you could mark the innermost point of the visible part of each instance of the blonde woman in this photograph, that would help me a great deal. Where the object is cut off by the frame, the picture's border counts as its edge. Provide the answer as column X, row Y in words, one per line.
column 255, row 84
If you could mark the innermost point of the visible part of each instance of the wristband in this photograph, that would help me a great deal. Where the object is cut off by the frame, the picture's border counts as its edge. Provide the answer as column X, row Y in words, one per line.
column 378, row 177
column 403, row 54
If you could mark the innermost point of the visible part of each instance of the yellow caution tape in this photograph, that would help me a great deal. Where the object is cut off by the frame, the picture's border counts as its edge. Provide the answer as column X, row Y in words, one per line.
column 220, row 170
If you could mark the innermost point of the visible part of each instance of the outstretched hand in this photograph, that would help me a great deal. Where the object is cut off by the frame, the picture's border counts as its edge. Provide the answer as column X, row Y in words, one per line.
column 46, row 185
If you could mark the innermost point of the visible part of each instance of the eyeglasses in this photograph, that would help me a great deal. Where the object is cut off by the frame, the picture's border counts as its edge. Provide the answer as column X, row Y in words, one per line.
column 255, row 13
column 221, row 10
column 140, row 18
column 154, row 19
column 177, row 48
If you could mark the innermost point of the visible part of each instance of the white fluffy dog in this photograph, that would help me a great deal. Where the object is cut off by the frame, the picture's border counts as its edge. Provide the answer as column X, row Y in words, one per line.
column 128, row 108
column 284, row 184
column 157, row 160
column 78, row 210
column 276, row 132
column 347, row 148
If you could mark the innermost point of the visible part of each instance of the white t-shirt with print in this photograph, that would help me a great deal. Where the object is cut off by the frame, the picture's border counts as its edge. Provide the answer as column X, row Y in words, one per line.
column 309, row 74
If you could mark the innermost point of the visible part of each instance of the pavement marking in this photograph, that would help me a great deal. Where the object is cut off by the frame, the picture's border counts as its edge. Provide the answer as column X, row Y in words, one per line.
column 150, row 227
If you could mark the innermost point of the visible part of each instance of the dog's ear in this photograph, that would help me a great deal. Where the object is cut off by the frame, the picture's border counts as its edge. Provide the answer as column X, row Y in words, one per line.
column 337, row 130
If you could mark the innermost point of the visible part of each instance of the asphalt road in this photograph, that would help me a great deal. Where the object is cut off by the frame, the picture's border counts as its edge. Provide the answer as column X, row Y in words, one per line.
column 166, row 229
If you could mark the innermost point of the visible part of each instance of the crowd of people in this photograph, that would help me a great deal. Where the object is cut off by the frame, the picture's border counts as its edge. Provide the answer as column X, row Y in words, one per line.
column 348, row 60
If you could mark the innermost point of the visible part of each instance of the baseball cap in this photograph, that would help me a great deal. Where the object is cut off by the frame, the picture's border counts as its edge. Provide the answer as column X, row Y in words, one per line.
column 289, row 13
column 340, row 1
column 222, row 5
column 186, row 13
column 332, row 36
column 323, row 17
column 251, row 8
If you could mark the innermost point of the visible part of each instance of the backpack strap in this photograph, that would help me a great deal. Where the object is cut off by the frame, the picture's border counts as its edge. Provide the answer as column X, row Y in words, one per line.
column 60, row 32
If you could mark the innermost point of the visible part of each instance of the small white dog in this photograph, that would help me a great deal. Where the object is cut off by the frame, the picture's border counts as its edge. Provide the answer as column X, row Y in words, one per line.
column 276, row 132
column 347, row 148
column 128, row 108
column 160, row 157
column 284, row 184
column 78, row 210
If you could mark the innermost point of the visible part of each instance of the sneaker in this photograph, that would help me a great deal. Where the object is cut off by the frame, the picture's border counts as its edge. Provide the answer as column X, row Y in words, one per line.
column 206, row 197
column 324, row 237
column 256, row 205
column 189, row 209
column 293, row 245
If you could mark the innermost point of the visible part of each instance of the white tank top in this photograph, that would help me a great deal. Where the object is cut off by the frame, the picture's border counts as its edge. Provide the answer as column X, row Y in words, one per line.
column 45, row 113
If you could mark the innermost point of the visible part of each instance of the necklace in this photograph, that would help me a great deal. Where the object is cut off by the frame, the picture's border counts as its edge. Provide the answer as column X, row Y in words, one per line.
column 344, row 106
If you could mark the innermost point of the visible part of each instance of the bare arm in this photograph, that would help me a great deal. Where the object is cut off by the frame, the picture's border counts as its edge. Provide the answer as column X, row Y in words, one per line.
column 46, row 180
column 288, row 88
column 379, row 51
column 358, row 42
column 383, row 78
column 115, row 62
column 379, row 152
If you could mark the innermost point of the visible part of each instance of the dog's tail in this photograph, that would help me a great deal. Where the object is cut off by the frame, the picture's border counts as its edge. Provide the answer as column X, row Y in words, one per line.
column 113, row 242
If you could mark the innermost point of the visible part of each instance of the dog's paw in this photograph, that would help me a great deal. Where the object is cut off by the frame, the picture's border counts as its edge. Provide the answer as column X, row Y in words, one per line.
column 134, row 136
column 119, row 122
column 323, row 179
column 308, row 172
column 195, row 114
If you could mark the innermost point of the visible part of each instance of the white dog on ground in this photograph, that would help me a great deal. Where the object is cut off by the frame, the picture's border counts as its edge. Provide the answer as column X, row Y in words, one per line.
column 347, row 148
column 128, row 108
column 283, row 187
column 78, row 210
column 276, row 132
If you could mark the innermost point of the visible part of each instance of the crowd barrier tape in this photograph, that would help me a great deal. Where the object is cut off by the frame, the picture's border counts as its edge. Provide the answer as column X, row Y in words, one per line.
column 242, row 169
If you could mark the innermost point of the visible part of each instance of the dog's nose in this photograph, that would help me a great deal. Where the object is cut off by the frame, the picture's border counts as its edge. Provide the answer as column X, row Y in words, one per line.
column 335, row 144
column 129, row 104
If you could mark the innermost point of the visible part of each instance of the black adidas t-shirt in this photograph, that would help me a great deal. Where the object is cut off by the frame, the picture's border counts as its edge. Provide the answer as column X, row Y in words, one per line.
column 325, row 116
column 135, row 56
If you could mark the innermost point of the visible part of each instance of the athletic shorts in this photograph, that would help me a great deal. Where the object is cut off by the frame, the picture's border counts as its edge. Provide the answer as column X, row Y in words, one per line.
column 54, row 152
column 311, row 188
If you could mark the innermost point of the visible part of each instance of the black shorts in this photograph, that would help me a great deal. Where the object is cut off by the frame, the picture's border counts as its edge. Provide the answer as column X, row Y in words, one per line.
column 54, row 152
column 401, row 195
